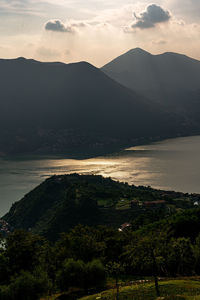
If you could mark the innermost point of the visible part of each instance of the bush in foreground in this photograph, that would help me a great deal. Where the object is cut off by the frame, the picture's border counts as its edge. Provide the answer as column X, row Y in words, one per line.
column 82, row 275
column 26, row 287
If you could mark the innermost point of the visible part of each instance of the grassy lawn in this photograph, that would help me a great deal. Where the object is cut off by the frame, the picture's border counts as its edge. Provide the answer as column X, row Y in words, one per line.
column 105, row 202
column 170, row 290
column 123, row 204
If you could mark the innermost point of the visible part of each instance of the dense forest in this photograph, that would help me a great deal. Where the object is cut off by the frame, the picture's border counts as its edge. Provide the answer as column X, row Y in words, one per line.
column 82, row 260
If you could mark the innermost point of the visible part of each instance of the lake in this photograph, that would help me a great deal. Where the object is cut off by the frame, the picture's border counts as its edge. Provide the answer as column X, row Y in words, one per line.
column 172, row 164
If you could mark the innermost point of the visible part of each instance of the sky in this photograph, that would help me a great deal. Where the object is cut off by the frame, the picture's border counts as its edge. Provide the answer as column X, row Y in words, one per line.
column 97, row 31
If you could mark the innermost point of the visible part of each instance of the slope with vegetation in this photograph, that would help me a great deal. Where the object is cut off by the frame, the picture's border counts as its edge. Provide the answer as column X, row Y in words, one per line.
column 100, row 262
column 61, row 202
column 103, row 262
column 72, row 109
column 176, row 289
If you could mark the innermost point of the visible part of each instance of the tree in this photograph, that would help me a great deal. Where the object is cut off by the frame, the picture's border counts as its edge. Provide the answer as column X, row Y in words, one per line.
column 26, row 286
column 81, row 275
column 81, row 243
column 71, row 274
column 4, row 270
column 196, row 253
column 23, row 251
column 95, row 275
column 180, row 256
column 144, row 253
column 115, row 270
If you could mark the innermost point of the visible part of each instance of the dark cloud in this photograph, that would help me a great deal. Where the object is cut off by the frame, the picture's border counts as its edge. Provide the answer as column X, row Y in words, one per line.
column 58, row 26
column 153, row 15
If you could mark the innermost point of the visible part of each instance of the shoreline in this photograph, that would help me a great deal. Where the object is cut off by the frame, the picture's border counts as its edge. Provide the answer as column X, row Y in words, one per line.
column 36, row 171
column 77, row 156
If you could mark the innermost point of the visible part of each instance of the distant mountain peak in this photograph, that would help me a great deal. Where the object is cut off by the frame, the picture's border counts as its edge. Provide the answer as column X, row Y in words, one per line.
column 21, row 58
column 138, row 51
column 128, row 58
column 24, row 60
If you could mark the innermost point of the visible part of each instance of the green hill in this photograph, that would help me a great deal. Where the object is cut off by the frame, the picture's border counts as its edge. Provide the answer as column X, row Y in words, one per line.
column 62, row 202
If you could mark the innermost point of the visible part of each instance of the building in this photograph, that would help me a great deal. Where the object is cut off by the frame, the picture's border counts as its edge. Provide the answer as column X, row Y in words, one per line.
column 124, row 226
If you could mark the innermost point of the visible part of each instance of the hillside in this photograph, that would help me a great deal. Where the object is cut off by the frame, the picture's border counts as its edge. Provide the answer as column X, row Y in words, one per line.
column 62, row 202
column 144, row 72
column 169, row 78
column 139, row 259
column 177, row 289
column 74, row 109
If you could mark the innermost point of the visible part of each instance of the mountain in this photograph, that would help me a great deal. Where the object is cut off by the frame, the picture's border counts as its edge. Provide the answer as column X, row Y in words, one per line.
column 144, row 72
column 62, row 202
column 169, row 78
column 72, row 108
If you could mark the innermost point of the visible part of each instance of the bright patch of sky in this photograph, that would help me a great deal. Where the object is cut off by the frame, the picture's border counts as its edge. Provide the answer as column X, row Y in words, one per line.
column 97, row 30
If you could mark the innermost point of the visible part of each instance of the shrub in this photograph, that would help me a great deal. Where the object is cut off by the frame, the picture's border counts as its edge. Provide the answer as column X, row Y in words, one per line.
column 96, row 275
column 71, row 274
column 25, row 287
column 81, row 275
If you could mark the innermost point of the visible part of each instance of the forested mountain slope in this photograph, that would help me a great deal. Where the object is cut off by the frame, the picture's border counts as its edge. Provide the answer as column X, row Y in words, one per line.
column 74, row 108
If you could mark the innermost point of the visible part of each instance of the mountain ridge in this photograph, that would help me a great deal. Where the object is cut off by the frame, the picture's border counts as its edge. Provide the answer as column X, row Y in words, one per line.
column 73, row 108
column 136, row 62
column 170, row 79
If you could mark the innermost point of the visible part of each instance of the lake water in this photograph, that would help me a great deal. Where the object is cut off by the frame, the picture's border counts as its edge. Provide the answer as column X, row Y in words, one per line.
column 171, row 164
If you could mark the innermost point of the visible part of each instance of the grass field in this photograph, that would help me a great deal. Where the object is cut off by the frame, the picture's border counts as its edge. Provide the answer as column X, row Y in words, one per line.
column 180, row 289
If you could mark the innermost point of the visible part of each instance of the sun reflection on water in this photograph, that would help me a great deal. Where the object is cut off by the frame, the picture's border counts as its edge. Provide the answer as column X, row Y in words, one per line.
column 118, row 167
column 172, row 164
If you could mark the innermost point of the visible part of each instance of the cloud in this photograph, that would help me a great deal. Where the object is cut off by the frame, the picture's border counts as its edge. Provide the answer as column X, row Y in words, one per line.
column 22, row 7
column 153, row 15
column 70, row 27
column 159, row 42
column 79, row 24
column 58, row 26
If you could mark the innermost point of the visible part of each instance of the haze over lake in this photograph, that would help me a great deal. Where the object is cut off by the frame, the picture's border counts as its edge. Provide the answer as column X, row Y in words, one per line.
column 171, row 164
